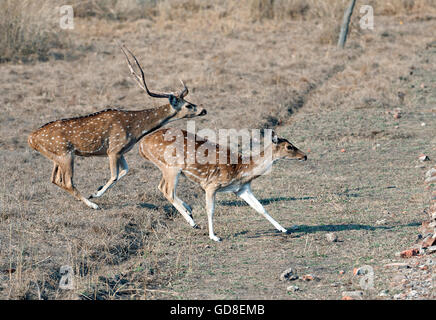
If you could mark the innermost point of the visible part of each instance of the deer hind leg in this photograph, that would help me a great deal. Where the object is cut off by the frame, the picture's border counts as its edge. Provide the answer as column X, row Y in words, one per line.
column 248, row 196
column 55, row 174
column 167, row 186
column 115, row 162
column 124, row 167
column 63, row 177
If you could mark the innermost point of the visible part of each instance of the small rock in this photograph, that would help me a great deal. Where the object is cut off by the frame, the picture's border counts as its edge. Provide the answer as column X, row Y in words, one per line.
column 423, row 124
column 413, row 293
column 331, row 237
column 398, row 296
column 358, row 271
column 397, row 115
column 399, row 265
column 352, row 294
column 381, row 221
column 425, row 229
column 383, row 293
column 423, row 158
column 341, row 271
column 309, row 277
column 430, row 173
column 288, row 274
column 292, row 288
column 430, row 179
column 429, row 242
column 409, row 253
column 431, row 249
column 347, row 298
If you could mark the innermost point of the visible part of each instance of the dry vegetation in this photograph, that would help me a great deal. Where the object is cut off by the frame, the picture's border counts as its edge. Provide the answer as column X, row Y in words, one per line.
column 29, row 29
column 258, row 63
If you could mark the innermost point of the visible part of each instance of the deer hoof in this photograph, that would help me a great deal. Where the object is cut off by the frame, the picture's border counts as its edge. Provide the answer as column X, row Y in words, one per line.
column 93, row 205
column 215, row 238
column 188, row 207
column 95, row 195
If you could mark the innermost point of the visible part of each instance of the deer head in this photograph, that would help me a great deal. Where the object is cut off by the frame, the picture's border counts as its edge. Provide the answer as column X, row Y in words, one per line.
column 181, row 107
column 283, row 149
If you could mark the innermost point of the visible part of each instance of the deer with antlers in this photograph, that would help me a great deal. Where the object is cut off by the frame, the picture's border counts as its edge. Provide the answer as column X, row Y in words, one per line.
column 109, row 133
column 212, row 175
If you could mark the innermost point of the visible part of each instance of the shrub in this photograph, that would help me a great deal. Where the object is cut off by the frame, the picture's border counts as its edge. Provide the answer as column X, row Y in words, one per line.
column 28, row 30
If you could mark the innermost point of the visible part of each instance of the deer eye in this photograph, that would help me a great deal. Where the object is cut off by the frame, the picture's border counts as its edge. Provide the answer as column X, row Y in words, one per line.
column 289, row 147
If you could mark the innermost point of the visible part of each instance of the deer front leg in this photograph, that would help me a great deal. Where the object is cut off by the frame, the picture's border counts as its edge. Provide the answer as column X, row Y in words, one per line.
column 248, row 197
column 115, row 162
column 168, row 186
column 210, row 205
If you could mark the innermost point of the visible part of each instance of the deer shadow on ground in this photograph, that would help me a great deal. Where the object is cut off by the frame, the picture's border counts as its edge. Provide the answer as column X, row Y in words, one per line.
column 168, row 209
column 300, row 230
column 241, row 203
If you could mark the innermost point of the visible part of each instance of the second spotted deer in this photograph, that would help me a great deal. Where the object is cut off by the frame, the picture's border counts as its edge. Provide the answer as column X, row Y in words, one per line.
column 213, row 176
column 108, row 133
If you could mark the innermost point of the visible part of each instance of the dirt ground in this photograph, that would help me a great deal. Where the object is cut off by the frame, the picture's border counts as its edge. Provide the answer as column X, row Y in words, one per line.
column 362, row 180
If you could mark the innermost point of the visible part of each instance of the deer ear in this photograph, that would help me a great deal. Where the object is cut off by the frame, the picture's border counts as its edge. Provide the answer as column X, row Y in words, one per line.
column 173, row 101
column 274, row 137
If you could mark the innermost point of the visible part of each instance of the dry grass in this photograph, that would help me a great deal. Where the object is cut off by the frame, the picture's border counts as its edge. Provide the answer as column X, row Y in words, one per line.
column 252, row 9
column 28, row 30
column 116, row 9
column 279, row 73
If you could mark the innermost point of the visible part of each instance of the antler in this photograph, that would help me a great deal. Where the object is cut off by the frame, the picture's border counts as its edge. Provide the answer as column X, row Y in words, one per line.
column 185, row 90
column 138, row 79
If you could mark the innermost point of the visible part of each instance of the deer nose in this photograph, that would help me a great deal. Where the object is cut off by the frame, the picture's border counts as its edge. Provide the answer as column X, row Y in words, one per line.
column 304, row 158
column 203, row 112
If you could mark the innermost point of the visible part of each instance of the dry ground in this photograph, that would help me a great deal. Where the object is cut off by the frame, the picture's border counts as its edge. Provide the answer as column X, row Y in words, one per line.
column 280, row 74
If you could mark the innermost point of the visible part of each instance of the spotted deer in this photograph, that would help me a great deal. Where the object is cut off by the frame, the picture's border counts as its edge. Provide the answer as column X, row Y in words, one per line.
column 110, row 133
column 212, row 176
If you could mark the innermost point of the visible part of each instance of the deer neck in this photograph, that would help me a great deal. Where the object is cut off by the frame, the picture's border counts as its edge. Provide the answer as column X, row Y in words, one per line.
column 151, row 119
column 259, row 164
